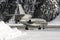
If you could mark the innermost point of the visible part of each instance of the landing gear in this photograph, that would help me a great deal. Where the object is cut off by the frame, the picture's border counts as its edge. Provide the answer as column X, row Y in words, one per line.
column 39, row 28
column 26, row 28
column 43, row 27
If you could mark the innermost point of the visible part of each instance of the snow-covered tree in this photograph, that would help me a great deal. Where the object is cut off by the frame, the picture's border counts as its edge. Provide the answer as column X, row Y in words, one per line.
column 7, row 7
column 49, row 10
column 46, row 9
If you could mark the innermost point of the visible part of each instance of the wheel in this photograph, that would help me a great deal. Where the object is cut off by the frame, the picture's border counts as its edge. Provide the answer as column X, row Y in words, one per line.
column 43, row 27
column 26, row 28
column 39, row 28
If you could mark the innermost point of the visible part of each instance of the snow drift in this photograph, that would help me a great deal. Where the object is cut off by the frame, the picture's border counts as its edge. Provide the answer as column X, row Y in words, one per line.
column 7, row 33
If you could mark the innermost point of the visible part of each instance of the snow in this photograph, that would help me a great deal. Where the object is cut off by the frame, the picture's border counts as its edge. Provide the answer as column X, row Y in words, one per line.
column 44, row 35
column 40, row 35
column 7, row 33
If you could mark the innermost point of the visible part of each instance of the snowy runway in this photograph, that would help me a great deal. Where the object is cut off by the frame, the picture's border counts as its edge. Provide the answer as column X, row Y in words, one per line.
column 40, row 35
column 7, row 33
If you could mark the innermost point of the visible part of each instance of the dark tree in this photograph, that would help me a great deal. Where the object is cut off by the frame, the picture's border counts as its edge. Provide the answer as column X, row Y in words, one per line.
column 37, row 11
column 45, row 9
column 6, row 9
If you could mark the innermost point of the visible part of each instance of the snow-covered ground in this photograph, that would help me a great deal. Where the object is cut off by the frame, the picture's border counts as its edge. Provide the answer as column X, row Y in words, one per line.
column 7, row 33
column 39, row 35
